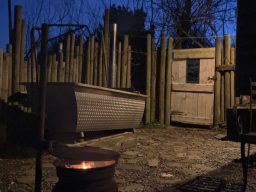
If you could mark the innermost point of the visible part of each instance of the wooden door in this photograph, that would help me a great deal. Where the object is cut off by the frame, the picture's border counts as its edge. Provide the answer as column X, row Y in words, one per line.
column 192, row 99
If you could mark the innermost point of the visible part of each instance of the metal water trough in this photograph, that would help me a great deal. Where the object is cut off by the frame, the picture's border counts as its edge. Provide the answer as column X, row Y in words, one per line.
column 80, row 107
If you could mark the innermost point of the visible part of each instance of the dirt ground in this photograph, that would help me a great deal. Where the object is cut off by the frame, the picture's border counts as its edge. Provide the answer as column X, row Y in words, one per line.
column 172, row 159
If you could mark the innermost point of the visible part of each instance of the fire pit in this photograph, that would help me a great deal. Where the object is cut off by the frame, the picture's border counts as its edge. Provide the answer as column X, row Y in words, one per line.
column 84, row 169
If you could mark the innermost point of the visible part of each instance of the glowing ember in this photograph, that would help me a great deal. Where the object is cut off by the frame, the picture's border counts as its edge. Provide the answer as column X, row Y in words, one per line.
column 83, row 164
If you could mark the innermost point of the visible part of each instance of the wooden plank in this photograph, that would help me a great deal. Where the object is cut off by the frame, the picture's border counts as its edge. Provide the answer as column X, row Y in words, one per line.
column 119, row 60
column 5, row 73
column 223, row 68
column 61, row 71
column 22, row 50
column 100, row 65
column 9, row 51
column 232, row 78
column 124, row 62
column 198, row 53
column 192, row 120
column 162, row 80
column 129, row 66
column 92, row 59
column 95, row 76
column 67, row 57
column 153, row 82
column 148, row 82
column 53, row 68
column 17, row 47
column 182, row 72
column 217, row 89
column 81, row 50
column 71, row 59
column 77, row 69
column 175, row 70
column 192, row 87
column 202, row 101
column 88, row 68
column 207, row 71
column 168, row 75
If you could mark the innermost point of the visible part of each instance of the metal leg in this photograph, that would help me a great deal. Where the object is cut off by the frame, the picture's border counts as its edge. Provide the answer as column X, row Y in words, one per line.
column 244, row 165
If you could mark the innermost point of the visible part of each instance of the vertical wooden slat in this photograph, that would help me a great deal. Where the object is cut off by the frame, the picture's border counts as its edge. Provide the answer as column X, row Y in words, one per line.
column 5, row 77
column 217, row 91
column 227, row 73
column 77, row 69
column 118, row 69
column 129, row 59
column 124, row 62
column 92, row 60
column 222, row 101
column 153, row 82
column 95, row 76
column 148, row 78
column 232, row 78
column 25, row 71
column 71, row 60
column 49, row 70
column 29, row 70
column 67, row 58
column 22, row 48
column 100, row 65
column 17, row 47
column 9, row 50
column 88, row 68
column 106, row 47
column 54, row 69
column 81, row 50
column 162, row 80
column 168, row 83
column 75, row 62
column 1, row 72
column 60, row 64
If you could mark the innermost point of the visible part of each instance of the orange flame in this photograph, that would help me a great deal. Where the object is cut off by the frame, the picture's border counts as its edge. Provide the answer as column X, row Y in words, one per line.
column 85, row 164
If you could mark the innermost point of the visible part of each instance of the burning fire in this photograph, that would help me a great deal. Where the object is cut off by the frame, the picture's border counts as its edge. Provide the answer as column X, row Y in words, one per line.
column 84, row 164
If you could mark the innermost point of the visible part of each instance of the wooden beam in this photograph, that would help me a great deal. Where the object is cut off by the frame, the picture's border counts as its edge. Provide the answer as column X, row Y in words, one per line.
column 197, row 53
column 153, row 82
column 224, row 68
column 227, row 73
column 192, row 120
column 148, row 79
column 168, row 82
column 191, row 87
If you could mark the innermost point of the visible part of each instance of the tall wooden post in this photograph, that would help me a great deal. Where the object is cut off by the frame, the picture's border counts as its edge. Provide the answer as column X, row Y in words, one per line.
column 162, row 80
column 217, row 91
column 92, row 59
column 148, row 80
column 54, row 69
column 95, row 76
column 232, row 77
column 106, row 48
column 124, row 62
column 153, row 82
column 88, row 69
column 168, row 83
column 9, row 50
column 227, row 73
column 71, row 60
column 129, row 66
column 22, row 48
column 61, row 66
column 17, row 47
column 119, row 60
column 100, row 65
column 5, row 68
column 81, row 49
column 67, row 58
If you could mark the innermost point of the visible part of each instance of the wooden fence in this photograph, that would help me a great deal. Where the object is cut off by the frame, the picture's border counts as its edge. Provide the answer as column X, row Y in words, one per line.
column 77, row 61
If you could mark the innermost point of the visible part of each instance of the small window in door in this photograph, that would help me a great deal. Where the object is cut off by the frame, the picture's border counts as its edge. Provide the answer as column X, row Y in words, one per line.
column 193, row 68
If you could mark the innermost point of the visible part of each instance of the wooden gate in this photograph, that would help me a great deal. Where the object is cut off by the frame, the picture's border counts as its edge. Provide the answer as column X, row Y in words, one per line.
column 192, row 90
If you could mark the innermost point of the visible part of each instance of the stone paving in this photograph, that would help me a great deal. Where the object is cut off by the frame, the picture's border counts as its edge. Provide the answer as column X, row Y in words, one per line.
column 172, row 159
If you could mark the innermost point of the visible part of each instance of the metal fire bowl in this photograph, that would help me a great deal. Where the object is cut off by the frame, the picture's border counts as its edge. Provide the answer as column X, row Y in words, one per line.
column 74, row 107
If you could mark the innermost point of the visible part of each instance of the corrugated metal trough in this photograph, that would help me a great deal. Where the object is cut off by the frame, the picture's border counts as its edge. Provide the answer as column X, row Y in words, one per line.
column 80, row 107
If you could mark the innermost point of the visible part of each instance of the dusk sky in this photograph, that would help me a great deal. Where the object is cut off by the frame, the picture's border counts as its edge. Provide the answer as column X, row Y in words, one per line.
column 90, row 12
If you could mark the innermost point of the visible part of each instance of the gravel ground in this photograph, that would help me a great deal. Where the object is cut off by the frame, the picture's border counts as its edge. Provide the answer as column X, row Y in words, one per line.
column 172, row 159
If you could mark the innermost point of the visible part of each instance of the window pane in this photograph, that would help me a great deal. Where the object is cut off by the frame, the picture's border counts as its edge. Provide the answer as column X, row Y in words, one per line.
column 193, row 66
